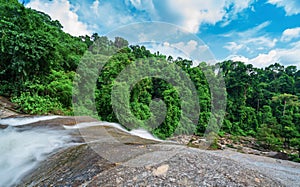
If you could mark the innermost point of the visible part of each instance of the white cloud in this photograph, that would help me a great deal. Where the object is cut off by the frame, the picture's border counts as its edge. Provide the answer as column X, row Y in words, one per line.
column 262, row 41
column 194, row 50
column 188, row 47
column 290, row 55
column 290, row 34
column 250, row 40
column 239, row 6
column 261, row 60
column 238, row 58
column 61, row 10
column 291, row 7
column 193, row 13
column 105, row 16
column 251, row 44
column 233, row 47
column 167, row 49
column 284, row 56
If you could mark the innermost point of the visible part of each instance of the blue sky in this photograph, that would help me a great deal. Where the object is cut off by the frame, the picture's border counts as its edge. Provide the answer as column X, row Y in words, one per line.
column 260, row 32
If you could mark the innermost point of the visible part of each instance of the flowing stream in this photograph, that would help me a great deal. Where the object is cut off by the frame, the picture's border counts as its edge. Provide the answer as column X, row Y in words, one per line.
column 23, row 147
column 19, row 121
column 135, row 132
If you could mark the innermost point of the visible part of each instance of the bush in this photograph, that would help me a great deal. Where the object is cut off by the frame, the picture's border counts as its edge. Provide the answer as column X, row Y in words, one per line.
column 35, row 104
column 296, row 160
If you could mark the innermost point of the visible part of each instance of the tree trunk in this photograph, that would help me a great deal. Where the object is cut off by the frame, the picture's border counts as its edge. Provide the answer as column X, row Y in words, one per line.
column 284, row 107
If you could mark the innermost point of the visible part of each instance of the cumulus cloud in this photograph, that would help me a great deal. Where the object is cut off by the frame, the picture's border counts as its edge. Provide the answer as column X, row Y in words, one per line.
column 167, row 49
column 291, row 7
column 285, row 56
column 290, row 55
column 193, row 13
column 261, row 60
column 196, row 51
column 265, row 59
column 62, row 11
column 188, row 47
column 108, row 15
column 238, row 58
column 290, row 34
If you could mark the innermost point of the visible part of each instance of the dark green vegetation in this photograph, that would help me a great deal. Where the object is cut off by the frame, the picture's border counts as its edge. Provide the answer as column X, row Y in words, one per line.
column 38, row 63
column 38, row 59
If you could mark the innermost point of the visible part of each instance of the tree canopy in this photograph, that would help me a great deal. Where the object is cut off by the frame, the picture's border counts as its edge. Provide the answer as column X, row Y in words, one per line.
column 38, row 63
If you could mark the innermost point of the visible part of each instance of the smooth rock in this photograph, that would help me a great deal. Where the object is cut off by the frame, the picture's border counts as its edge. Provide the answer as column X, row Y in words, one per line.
column 3, row 126
column 161, row 170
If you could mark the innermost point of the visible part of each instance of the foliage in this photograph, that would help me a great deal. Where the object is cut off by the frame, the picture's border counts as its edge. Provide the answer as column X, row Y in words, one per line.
column 35, row 104
column 38, row 64
column 32, row 47
column 263, row 103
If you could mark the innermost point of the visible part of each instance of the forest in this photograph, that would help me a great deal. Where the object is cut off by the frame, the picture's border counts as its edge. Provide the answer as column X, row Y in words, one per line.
column 38, row 66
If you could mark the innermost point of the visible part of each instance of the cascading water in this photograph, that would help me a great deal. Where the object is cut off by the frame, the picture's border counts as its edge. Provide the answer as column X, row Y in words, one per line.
column 23, row 148
column 25, row 120
column 135, row 132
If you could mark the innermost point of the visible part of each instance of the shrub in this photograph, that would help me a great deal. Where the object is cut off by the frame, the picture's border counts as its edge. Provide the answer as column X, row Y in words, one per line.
column 35, row 104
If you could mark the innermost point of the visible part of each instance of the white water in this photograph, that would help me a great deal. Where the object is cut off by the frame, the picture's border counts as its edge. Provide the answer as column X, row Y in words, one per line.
column 22, row 149
column 143, row 134
column 96, row 123
column 135, row 132
column 25, row 120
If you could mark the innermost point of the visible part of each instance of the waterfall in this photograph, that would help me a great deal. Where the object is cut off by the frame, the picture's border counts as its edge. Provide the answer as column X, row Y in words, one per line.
column 23, row 148
column 25, row 120
column 135, row 132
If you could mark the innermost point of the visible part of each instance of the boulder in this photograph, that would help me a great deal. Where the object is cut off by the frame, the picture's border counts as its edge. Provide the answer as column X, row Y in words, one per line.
column 3, row 126
column 63, row 120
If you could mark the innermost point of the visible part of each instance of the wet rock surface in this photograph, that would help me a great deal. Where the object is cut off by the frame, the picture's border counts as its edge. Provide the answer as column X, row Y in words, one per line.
column 3, row 126
column 72, row 166
column 106, row 156
column 188, row 167
column 245, row 145
column 81, row 166
column 63, row 120
column 287, row 172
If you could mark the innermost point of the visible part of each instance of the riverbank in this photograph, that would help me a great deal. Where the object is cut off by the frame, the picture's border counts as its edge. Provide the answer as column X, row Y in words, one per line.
column 103, row 154
column 108, row 156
